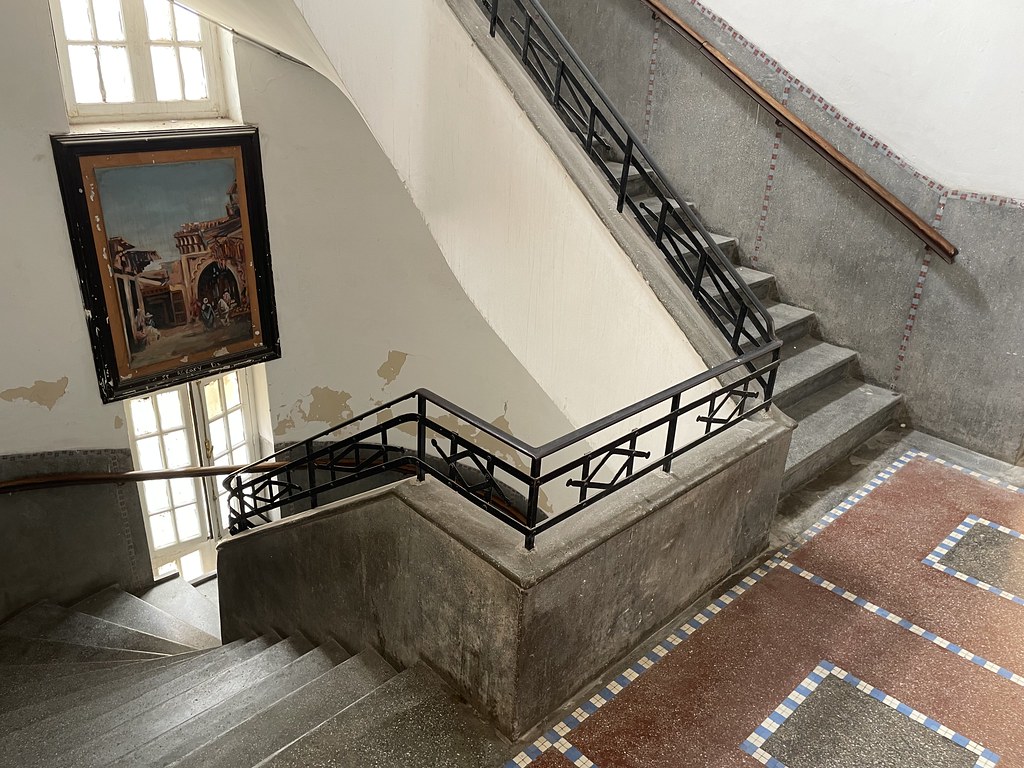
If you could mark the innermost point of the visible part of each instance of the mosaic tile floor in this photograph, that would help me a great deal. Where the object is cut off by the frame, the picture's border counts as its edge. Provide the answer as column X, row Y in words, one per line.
column 890, row 634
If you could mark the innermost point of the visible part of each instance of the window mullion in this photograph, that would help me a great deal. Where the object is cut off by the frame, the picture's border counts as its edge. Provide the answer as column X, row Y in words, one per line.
column 137, row 35
column 201, row 419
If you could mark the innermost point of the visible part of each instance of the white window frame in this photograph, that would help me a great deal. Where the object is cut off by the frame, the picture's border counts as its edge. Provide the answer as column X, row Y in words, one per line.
column 208, row 490
column 145, row 106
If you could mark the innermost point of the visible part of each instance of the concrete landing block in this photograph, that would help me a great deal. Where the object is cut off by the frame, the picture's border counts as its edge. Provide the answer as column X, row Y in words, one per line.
column 419, row 573
column 179, row 598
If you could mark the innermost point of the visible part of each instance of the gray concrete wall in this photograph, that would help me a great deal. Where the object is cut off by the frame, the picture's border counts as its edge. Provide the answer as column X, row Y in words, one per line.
column 62, row 544
column 417, row 572
column 832, row 249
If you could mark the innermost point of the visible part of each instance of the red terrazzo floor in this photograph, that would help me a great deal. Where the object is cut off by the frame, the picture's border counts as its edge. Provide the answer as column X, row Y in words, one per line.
column 698, row 704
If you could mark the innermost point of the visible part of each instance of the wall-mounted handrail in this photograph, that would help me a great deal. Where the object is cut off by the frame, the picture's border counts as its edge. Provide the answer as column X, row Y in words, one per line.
column 927, row 234
column 69, row 479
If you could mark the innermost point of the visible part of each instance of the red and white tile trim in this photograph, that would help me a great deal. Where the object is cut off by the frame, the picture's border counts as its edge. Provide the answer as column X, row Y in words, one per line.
column 652, row 72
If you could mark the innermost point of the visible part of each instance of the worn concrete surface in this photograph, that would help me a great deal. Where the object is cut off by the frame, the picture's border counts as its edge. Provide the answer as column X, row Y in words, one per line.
column 832, row 249
column 418, row 573
column 96, row 533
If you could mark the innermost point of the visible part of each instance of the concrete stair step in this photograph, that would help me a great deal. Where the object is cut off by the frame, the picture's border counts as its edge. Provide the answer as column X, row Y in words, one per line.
column 210, row 589
column 808, row 365
column 175, row 744
column 150, row 723
column 116, row 605
column 277, row 726
column 791, row 322
column 761, row 283
column 832, row 422
column 413, row 719
column 179, row 598
column 47, row 621
column 23, row 650
column 16, row 676
column 56, row 730
column 636, row 185
column 46, row 684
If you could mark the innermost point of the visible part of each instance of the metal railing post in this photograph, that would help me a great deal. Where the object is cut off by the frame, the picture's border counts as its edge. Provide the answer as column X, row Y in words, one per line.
column 311, row 474
column 494, row 16
column 421, row 437
column 533, row 502
column 670, row 443
column 627, row 164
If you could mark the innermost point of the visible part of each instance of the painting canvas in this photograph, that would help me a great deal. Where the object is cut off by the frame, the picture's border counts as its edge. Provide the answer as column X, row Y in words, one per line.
column 170, row 237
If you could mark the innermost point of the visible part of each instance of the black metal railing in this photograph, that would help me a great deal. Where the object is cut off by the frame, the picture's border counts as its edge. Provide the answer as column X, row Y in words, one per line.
column 525, row 487
column 637, row 180
column 532, row 489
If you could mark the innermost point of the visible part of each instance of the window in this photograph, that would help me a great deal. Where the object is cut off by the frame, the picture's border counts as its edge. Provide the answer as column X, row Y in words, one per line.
column 208, row 423
column 136, row 59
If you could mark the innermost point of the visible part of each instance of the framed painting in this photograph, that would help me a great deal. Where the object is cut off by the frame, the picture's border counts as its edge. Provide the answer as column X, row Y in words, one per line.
column 169, row 234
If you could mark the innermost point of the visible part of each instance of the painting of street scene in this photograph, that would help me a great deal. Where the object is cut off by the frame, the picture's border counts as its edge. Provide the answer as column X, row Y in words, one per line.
column 176, row 245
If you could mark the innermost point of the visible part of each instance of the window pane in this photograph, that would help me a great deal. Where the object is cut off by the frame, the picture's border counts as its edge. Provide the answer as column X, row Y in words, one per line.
column 183, row 491
column 211, row 392
column 149, row 454
column 109, row 25
column 76, row 19
column 165, row 73
column 191, row 566
column 117, row 74
column 219, row 436
column 187, row 25
column 222, row 501
column 193, row 73
column 188, row 522
column 231, row 397
column 163, row 530
column 169, row 404
column 236, row 427
column 178, row 454
column 158, row 19
column 240, row 455
column 85, row 74
column 143, row 418
column 166, row 570
column 157, row 498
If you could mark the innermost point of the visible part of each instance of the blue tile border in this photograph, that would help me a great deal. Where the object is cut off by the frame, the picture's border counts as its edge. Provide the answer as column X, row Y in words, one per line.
column 934, row 558
column 754, row 744
column 555, row 737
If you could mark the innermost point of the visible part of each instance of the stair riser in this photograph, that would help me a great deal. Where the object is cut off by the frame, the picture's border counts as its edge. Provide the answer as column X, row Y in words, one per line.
column 812, row 384
column 797, row 330
column 818, row 462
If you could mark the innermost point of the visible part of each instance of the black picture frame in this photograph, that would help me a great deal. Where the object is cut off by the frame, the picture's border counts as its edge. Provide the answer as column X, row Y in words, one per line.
column 147, row 307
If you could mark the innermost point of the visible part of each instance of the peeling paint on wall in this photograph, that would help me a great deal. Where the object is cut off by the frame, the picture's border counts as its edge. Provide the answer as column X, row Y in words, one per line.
column 44, row 393
column 283, row 425
column 118, row 422
column 392, row 367
column 328, row 405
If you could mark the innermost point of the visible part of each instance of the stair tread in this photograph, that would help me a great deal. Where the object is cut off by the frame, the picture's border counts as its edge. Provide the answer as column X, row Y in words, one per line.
column 286, row 720
column 208, row 725
column 413, row 719
column 832, row 422
column 53, row 682
column 805, row 360
column 179, row 598
column 21, row 650
column 48, row 621
column 151, row 722
column 47, row 737
column 116, row 605
column 759, row 282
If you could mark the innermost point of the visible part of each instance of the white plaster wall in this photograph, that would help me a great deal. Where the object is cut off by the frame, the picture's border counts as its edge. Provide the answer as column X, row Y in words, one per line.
column 518, row 234
column 357, row 273
column 358, row 276
column 43, row 335
column 939, row 81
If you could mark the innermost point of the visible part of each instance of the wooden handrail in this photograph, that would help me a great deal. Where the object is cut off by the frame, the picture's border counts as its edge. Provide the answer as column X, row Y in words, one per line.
column 41, row 482
column 931, row 238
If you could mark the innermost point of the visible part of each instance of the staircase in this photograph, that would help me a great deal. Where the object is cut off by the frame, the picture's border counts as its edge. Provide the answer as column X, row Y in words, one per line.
column 120, row 680
column 816, row 386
